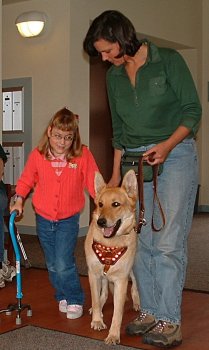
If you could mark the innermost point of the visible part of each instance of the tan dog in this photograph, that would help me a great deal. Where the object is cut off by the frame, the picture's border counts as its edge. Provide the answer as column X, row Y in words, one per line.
column 110, row 249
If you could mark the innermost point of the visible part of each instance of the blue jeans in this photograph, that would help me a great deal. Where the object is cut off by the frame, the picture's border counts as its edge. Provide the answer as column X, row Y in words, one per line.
column 58, row 240
column 161, row 258
column 3, row 206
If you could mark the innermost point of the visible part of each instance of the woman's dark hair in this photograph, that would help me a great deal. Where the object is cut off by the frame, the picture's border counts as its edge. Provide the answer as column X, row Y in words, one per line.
column 114, row 27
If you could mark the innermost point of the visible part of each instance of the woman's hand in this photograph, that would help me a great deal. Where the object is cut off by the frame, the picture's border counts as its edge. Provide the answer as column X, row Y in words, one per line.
column 157, row 154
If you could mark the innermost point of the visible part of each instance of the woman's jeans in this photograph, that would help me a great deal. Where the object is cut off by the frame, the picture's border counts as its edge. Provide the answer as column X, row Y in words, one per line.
column 3, row 206
column 58, row 240
column 161, row 258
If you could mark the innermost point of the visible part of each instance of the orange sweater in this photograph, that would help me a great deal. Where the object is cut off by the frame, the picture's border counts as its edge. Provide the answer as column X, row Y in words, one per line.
column 57, row 197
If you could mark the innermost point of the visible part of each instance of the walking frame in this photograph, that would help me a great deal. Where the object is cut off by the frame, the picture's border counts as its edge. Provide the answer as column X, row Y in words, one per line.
column 16, row 241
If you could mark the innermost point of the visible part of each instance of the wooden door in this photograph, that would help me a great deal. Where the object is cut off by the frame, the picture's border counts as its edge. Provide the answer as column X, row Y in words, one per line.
column 100, row 118
column 100, row 134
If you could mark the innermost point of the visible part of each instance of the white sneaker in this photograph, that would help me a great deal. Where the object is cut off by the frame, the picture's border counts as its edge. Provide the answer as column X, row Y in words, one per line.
column 74, row 311
column 8, row 271
column 63, row 306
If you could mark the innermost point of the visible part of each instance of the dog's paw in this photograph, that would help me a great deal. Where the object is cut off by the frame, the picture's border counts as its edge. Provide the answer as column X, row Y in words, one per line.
column 112, row 339
column 98, row 325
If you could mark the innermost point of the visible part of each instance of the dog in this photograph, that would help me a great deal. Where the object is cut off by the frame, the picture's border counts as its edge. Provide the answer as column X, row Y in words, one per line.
column 110, row 248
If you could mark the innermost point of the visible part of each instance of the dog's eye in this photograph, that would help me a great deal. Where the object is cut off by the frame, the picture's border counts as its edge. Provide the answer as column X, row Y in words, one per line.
column 115, row 204
column 100, row 204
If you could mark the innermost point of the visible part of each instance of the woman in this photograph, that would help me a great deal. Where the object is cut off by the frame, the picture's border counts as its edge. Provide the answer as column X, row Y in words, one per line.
column 155, row 110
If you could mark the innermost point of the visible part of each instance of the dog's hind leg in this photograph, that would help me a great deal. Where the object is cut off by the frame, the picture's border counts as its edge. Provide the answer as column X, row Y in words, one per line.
column 134, row 292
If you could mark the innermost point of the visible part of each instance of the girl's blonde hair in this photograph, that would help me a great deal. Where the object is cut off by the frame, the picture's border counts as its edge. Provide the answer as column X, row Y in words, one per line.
column 64, row 120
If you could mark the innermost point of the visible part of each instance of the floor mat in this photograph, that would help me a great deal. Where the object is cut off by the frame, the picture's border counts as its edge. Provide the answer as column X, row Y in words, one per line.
column 36, row 338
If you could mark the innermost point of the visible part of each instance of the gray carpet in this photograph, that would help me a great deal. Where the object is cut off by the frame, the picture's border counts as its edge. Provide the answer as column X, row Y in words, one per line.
column 35, row 338
column 197, row 277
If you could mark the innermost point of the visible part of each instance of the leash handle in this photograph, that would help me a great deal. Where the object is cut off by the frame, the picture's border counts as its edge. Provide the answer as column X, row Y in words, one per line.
column 157, row 200
column 140, row 179
column 142, row 220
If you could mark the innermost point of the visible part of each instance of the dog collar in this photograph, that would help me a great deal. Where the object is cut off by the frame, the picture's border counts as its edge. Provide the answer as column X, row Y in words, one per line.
column 108, row 255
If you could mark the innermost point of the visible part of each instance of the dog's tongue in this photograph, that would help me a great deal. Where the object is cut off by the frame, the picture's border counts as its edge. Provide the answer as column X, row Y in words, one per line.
column 108, row 231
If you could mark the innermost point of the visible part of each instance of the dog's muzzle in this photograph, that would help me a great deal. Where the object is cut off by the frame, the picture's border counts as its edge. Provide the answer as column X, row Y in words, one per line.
column 108, row 231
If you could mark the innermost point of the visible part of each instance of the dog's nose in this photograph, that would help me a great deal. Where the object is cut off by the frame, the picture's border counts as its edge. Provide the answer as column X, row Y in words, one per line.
column 102, row 222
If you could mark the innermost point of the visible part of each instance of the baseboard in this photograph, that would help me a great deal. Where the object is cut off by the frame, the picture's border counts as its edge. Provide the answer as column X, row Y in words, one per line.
column 203, row 209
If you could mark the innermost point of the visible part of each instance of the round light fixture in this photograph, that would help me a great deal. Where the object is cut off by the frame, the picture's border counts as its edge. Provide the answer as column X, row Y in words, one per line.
column 30, row 24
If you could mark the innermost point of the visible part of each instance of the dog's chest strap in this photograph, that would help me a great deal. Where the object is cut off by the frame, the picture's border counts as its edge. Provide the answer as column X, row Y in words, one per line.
column 107, row 255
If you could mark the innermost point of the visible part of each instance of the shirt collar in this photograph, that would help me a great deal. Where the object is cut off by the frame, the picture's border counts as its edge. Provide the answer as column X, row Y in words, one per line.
column 153, row 57
column 60, row 158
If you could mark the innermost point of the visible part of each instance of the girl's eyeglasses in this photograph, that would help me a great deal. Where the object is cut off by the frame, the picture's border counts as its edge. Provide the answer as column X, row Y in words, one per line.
column 58, row 137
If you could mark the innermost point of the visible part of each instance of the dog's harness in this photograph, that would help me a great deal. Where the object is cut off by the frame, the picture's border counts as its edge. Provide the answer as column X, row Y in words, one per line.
column 108, row 255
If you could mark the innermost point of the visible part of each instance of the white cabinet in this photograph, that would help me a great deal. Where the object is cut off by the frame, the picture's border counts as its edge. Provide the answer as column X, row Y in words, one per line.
column 7, row 111
column 17, row 129
column 13, row 110
column 15, row 163
column 17, row 116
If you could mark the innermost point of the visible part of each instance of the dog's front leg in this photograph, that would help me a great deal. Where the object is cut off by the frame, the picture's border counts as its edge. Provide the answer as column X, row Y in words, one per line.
column 120, row 290
column 134, row 293
column 95, row 286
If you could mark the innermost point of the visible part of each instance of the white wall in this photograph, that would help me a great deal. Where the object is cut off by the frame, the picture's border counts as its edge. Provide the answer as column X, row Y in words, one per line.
column 45, row 59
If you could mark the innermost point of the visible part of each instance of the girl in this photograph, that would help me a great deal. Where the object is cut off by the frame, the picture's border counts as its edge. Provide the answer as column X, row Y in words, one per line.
column 59, row 170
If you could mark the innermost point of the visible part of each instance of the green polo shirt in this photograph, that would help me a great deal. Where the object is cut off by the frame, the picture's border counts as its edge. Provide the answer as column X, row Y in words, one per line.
column 164, row 98
column 4, row 158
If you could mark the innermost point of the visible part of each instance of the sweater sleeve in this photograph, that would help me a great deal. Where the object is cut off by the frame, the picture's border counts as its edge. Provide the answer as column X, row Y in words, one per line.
column 182, row 83
column 28, row 178
column 89, row 170
column 116, row 120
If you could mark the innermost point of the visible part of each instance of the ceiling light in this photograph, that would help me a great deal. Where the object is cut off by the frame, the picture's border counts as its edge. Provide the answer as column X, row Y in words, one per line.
column 30, row 24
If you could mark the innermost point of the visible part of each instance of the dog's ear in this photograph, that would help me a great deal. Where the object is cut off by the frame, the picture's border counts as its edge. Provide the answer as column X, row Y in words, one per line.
column 130, row 184
column 99, row 183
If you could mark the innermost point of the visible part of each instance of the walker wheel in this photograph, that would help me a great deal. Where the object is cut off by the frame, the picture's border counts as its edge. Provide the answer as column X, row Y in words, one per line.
column 29, row 313
column 18, row 321
column 8, row 313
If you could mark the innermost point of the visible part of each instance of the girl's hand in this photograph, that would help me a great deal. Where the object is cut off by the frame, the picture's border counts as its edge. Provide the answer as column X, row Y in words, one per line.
column 17, row 205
